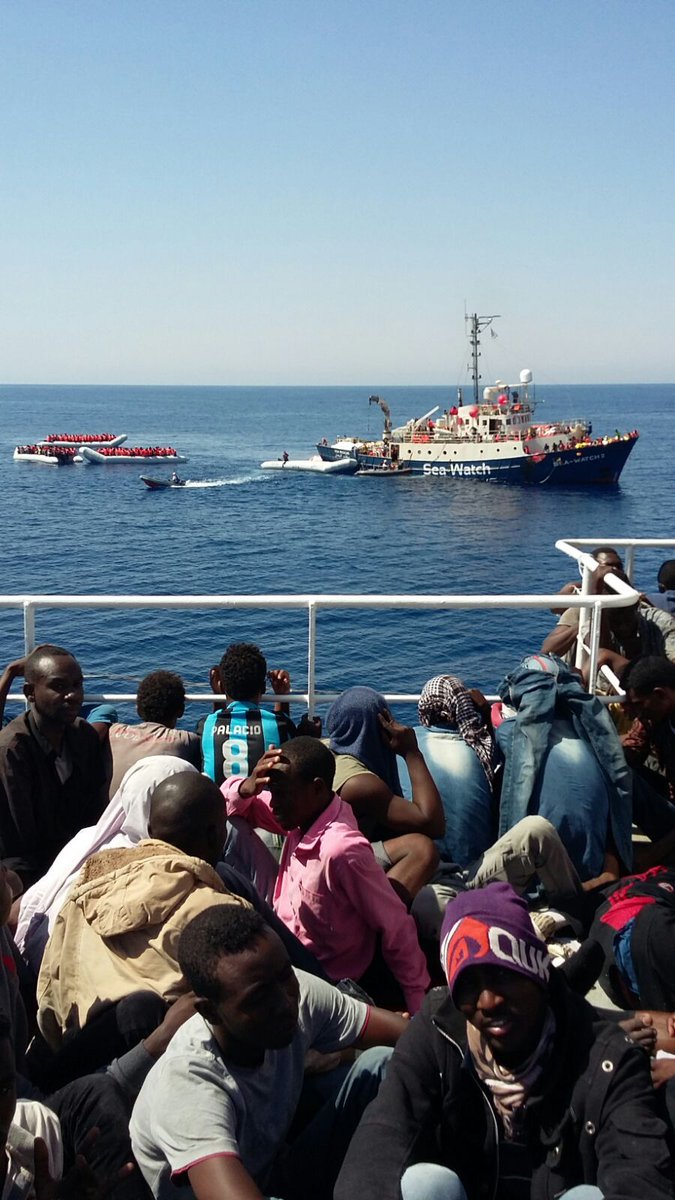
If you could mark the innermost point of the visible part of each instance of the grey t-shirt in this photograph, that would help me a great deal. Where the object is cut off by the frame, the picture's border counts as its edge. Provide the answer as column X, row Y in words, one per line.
column 194, row 1106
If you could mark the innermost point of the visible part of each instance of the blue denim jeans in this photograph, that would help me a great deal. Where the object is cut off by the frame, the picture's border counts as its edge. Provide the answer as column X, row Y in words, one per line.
column 309, row 1167
column 466, row 795
column 428, row 1181
column 539, row 696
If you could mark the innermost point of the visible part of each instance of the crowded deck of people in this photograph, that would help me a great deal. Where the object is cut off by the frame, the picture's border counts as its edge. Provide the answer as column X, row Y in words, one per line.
column 271, row 955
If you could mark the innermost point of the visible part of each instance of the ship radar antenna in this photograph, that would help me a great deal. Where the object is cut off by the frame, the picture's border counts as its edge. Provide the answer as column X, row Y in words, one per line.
column 476, row 326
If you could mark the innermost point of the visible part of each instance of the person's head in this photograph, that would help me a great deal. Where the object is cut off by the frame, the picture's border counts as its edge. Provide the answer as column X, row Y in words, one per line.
column 438, row 700
column 7, row 1079
column 188, row 812
column 649, row 684
column 161, row 698
column 353, row 727
column 137, row 787
column 666, row 576
column 54, row 685
column 301, row 784
column 243, row 978
column 241, row 673
column 497, row 969
column 607, row 556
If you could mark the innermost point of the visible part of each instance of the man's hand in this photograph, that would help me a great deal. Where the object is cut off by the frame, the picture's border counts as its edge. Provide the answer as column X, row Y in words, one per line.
column 259, row 779
column 641, row 1031
column 80, row 1183
column 14, row 669
column 280, row 681
column 309, row 726
column 180, row 1012
column 399, row 738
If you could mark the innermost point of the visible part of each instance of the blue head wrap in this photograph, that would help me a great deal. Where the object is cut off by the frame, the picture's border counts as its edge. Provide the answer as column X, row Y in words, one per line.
column 353, row 728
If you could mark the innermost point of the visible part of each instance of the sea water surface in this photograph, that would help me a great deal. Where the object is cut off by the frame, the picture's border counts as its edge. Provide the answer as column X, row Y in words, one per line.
column 237, row 529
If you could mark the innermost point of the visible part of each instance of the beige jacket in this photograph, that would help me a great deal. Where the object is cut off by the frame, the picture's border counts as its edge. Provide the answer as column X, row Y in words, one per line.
column 118, row 931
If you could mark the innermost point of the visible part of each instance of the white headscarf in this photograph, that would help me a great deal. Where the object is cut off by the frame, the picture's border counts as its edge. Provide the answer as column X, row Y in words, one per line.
column 123, row 823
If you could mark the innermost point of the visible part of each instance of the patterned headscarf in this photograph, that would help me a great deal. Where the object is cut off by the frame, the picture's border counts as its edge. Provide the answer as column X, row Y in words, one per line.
column 446, row 701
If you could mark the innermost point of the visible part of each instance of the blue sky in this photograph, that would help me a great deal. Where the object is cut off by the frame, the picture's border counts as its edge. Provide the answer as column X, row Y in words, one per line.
column 304, row 191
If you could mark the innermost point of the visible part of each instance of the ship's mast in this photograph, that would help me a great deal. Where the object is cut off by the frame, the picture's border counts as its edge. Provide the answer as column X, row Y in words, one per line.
column 477, row 325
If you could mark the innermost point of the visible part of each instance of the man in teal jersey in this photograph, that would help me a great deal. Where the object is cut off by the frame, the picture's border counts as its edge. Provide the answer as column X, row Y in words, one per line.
column 235, row 737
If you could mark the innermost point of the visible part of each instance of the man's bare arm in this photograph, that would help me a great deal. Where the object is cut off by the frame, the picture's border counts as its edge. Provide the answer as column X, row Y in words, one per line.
column 222, row 1177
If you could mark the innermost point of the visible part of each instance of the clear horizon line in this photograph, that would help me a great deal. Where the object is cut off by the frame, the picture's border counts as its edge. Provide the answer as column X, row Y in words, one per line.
column 365, row 386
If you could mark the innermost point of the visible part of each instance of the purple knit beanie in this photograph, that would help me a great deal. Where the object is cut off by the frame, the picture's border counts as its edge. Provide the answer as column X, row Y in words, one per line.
column 491, row 926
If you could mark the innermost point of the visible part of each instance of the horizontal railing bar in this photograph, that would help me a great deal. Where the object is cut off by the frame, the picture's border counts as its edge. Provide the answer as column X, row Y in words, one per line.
column 458, row 601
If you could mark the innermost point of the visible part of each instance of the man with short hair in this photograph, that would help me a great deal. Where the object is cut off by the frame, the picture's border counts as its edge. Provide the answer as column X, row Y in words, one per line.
column 649, row 684
column 160, row 702
column 233, row 738
column 330, row 890
column 635, row 629
column 215, row 1114
column 507, row 1084
column 52, row 772
column 118, row 930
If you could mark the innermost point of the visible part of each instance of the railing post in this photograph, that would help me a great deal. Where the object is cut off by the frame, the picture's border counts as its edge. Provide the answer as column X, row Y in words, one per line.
column 28, row 627
column 596, row 617
column 583, row 617
column 311, row 656
column 629, row 564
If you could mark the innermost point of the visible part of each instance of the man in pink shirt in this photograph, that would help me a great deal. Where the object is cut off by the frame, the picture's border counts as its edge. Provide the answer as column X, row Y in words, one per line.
column 330, row 891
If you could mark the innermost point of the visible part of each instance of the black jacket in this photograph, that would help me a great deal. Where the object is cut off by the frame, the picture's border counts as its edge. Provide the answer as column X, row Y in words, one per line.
column 594, row 1122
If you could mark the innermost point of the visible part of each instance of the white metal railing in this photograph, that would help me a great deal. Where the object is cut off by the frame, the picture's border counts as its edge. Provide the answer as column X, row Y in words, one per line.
column 575, row 548
column 312, row 604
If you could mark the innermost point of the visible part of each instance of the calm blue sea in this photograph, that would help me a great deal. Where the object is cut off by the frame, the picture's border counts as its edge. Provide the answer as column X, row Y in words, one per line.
column 97, row 529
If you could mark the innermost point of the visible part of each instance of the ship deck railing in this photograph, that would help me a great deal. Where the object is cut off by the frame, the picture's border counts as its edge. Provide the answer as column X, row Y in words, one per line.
column 591, row 606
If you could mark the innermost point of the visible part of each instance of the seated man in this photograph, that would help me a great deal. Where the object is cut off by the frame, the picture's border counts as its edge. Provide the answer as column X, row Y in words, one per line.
column 366, row 740
column 605, row 556
column 235, row 737
column 563, row 761
column 625, row 633
column 649, row 684
column 330, row 891
column 66, row 1119
column 456, row 740
column 160, row 702
column 215, row 1113
column 507, row 1083
column 117, row 931
column 52, row 773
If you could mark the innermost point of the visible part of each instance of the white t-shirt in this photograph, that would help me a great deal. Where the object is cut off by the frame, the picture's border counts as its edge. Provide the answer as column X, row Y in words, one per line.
column 194, row 1106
